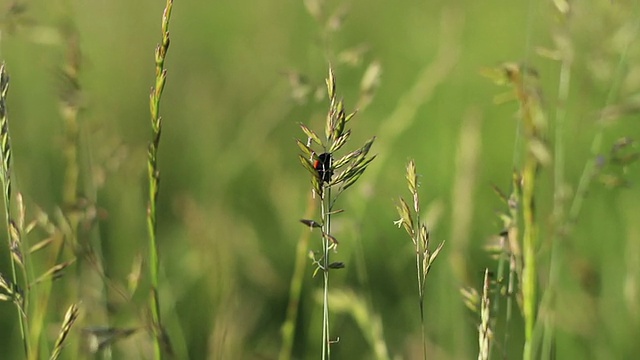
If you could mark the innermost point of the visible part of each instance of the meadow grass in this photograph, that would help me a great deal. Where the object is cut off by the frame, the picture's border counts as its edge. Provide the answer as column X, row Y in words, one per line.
column 547, row 261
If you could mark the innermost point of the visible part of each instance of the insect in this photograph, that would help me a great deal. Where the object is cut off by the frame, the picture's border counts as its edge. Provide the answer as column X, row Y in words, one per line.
column 323, row 165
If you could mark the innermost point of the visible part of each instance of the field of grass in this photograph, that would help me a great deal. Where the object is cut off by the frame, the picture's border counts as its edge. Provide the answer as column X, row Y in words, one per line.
column 522, row 118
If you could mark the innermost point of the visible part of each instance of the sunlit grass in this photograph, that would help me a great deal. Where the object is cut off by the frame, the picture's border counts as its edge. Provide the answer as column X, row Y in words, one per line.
column 227, row 264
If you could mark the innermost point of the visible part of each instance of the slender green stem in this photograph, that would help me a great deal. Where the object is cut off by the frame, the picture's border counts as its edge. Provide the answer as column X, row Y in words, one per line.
column 529, row 271
column 596, row 144
column 154, row 180
column 420, row 278
column 326, row 216
column 558, row 206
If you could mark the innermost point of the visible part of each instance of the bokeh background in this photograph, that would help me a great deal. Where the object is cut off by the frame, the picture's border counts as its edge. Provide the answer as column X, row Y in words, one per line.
column 241, row 76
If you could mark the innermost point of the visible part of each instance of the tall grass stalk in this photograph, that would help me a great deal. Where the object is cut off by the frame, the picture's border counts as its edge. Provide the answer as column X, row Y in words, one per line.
column 322, row 167
column 524, row 83
column 565, row 50
column 160, row 338
column 326, row 248
column 17, row 255
column 410, row 220
column 533, row 119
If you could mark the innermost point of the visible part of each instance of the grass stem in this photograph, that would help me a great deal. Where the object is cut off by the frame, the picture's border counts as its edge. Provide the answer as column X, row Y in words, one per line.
column 16, row 253
column 161, row 344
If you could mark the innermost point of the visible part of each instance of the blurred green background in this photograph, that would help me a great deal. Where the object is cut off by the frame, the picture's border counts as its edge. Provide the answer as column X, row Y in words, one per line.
column 241, row 75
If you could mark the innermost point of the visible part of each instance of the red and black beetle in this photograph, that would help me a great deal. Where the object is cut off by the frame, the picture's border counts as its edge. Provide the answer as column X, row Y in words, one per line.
column 323, row 166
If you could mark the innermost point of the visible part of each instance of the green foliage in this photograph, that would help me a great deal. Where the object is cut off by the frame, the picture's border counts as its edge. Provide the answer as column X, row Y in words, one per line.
column 232, row 259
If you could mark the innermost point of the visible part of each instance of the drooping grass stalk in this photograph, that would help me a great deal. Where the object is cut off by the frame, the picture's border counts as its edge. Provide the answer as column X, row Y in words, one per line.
column 322, row 167
column 410, row 220
column 17, row 255
column 161, row 342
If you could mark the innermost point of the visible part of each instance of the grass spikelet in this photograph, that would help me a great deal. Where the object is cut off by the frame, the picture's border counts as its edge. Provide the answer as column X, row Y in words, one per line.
column 161, row 343
column 69, row 319
column 484, row 330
